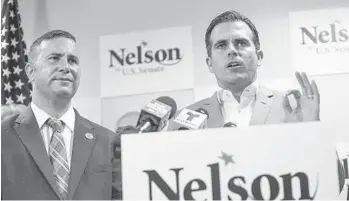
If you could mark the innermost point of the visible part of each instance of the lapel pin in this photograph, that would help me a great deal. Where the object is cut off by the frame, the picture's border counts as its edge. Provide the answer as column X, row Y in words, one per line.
column 89, row 136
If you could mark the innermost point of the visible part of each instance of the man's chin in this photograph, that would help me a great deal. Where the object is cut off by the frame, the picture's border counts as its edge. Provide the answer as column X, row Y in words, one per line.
column 238, row 78
column 65, row 93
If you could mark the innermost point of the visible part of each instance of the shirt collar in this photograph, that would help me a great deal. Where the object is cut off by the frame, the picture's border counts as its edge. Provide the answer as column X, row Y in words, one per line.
column 249, row 93
column 41, row 116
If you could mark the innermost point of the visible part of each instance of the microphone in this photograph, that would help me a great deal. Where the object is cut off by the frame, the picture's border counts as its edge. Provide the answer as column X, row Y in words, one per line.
column 203, row 111
column 230, row 124
column 129, row 129
column 155, row 114
column 189, row 120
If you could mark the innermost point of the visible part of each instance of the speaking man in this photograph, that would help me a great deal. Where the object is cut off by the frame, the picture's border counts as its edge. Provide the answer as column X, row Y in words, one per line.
column 233, row 56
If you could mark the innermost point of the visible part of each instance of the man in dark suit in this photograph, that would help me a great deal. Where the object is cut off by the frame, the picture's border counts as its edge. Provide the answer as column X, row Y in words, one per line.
column 233, row 56
column 49, row 151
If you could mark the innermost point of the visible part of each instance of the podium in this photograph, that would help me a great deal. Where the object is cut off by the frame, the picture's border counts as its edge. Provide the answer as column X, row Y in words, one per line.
column 267, row 162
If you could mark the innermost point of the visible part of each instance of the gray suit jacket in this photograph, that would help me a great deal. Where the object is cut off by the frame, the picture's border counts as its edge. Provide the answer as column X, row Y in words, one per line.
column 26, row 171
column 268, row 109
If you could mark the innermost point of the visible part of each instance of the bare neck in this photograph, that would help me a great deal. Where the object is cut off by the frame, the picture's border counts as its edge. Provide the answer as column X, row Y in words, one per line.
column 235, row 90
column 54, row 107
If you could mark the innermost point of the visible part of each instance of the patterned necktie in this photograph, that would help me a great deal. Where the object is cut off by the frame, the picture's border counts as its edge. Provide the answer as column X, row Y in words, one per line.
column 58, row 156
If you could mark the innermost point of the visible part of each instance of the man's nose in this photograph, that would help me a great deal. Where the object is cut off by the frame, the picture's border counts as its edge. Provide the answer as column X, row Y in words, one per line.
column 65, row 66
column 232, row 52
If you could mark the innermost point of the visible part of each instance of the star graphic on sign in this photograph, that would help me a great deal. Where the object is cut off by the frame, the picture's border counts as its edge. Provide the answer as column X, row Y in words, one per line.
column 6, row 72
column 13, row 28
column 9, row 100
column 8, row 87
column 17, row 70
column 3, row 31
column 4, row 44
column 21, row 98
column 14, row 42
column 19, row 83
column 5, row 58
column 10, row 2
column 12, row 14
column 227, row 158
column 15, row 56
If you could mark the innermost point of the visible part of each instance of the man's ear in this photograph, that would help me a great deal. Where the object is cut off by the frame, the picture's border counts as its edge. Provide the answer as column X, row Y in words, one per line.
column 260, row 56
column 30, row 71
column 209, row 63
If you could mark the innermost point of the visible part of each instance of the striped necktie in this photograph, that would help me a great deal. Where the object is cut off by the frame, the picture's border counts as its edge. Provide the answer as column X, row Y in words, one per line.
column 58, row 156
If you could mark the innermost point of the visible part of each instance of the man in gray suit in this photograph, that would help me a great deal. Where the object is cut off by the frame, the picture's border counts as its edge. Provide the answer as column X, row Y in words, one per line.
column 233, row 56
column 49, row 151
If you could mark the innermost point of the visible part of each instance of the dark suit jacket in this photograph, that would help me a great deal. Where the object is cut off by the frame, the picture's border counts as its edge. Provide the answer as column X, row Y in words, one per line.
column 26, row 171
column 268, row 109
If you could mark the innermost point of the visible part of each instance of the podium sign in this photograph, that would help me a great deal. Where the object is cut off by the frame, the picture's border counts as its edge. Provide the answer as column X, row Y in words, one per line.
column 274, row 162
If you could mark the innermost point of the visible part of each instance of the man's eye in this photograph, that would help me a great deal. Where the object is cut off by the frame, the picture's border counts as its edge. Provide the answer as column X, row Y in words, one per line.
column 242, row 43
column 221, row 46
column 53, row 59
column 72, row 60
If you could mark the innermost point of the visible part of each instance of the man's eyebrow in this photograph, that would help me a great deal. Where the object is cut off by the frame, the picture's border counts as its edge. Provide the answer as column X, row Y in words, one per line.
column 241, row 38
column 73, row 56
column 220, row 41
column 62, row 54
column 56, row 54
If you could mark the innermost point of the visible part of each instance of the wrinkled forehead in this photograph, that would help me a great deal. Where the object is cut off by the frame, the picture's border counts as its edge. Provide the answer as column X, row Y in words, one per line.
column 235, row 29
column 60, row 45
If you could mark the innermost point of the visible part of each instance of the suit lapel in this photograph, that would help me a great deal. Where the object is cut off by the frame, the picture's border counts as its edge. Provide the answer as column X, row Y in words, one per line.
column 262, row 106
column 29, row 132
column 82, row 147
column 213, row 107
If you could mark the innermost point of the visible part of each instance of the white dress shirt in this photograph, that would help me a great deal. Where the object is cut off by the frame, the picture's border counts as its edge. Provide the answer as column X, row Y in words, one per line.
column 238, row 113
column 46, row 132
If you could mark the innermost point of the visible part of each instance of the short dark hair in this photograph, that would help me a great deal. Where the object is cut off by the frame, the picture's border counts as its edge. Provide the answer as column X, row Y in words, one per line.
column 230, row 16
column 50, row 36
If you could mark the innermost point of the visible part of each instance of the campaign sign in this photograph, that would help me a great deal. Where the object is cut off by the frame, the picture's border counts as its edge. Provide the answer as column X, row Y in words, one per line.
column 273, row 162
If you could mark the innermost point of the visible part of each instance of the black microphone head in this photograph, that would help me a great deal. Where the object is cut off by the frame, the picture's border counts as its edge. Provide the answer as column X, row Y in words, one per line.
column 229, row 124
column 183, row 128
column 170, row 102
column 127, row 129
column 203, row 111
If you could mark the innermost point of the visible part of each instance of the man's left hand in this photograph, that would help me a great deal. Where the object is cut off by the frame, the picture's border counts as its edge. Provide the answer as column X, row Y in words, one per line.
column 308, row 102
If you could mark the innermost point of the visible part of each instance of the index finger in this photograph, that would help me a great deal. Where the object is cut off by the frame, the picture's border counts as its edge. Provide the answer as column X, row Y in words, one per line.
column 286, row 103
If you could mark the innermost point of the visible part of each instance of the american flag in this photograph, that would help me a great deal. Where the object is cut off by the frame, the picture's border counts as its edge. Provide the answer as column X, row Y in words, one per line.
column 14, row 81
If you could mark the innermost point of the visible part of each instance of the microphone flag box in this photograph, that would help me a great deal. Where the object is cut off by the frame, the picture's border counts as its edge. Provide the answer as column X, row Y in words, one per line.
column 266, row 162
column 158, row 110
column 189, row 119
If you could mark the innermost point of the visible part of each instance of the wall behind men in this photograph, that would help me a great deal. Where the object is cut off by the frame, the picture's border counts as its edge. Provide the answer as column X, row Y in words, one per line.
column 89, row 19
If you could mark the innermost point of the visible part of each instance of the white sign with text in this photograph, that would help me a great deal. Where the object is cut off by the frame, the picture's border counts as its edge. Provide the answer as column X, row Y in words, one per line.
column 320, row 41
column 146, row 61
column 274, row 162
